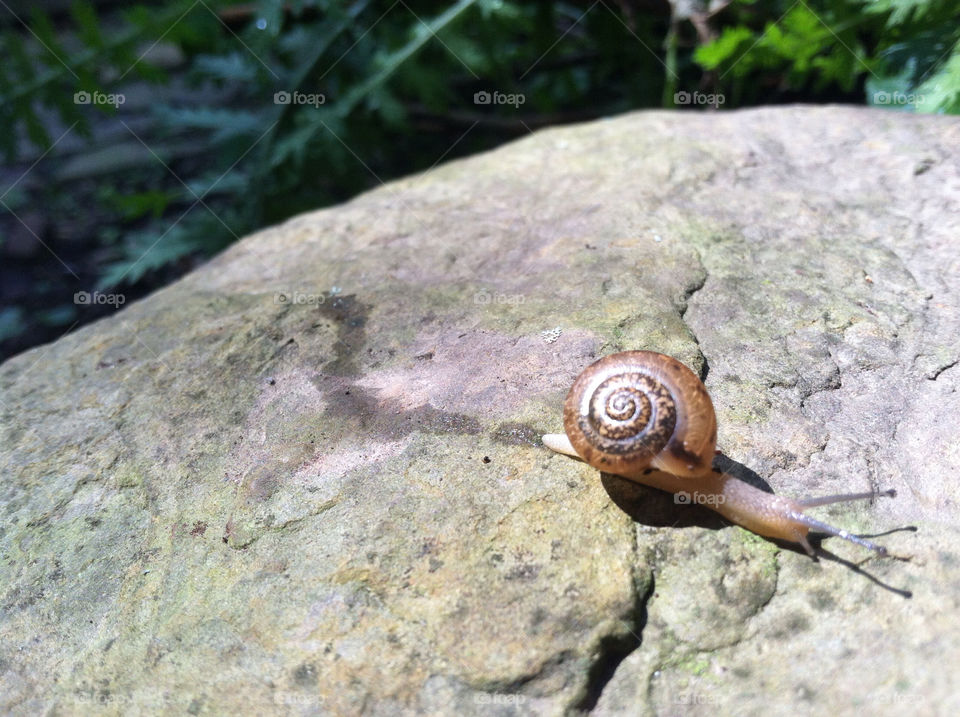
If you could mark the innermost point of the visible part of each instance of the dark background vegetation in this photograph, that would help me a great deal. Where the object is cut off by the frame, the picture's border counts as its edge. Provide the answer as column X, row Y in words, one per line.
column 183, row 147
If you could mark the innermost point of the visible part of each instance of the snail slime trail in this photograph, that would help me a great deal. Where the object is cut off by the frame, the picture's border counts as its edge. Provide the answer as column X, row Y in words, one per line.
column 645, row 416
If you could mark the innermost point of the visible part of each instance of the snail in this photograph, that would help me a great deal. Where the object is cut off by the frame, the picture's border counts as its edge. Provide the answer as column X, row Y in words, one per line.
column 645, row 416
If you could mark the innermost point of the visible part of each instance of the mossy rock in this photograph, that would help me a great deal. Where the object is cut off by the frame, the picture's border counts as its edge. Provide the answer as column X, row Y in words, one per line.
column 307, row 479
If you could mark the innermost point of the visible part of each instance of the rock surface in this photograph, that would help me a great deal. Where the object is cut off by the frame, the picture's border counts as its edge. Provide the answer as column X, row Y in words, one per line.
column 307, row 478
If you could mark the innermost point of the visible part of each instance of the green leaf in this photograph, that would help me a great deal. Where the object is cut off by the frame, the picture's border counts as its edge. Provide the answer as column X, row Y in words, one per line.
column 392, row 62
column 725, row 47
column 233, row 67
column 85, row 17
column 390, row 109
column 941, row 93
column 214, row 183
column 35, row 130
column 198, row 232
column 58, row 315
column 134, row 206
column 901, row 11
column 224, row 123
column 53, row 54
column 146, row 251
column 15, row 56
column 290, row 146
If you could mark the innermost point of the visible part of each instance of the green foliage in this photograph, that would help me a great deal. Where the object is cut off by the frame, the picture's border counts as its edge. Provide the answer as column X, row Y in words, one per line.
column 137, row 205
column 800, row 48
column 40, row 72
column 306, row 103
column 904, row 54
column 919, row 57
column 900, row 12
column 199, row 230
column 941, row 92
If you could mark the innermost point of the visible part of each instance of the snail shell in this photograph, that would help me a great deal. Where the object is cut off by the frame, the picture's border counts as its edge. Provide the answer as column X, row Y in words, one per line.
column 636, row 410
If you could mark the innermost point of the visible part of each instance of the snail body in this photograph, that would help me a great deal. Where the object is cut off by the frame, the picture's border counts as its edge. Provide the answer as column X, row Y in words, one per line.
column 647, row 417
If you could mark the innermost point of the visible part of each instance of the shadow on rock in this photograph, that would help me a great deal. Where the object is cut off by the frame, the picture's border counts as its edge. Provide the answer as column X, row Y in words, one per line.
column 657, row 508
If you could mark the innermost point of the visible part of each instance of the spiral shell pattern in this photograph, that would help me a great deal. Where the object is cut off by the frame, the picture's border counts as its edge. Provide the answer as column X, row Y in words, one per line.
column 637, row 409
column 630, row 414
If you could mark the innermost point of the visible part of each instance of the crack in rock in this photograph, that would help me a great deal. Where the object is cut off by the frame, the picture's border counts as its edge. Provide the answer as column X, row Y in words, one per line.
column 935, row 374
column 612, row 650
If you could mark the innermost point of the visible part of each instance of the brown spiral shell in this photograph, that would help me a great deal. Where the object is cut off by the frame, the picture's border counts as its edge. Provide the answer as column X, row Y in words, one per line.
column 636, row 410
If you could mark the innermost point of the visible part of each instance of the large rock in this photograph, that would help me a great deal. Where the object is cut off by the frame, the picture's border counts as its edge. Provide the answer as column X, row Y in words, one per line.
column 307, row 478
